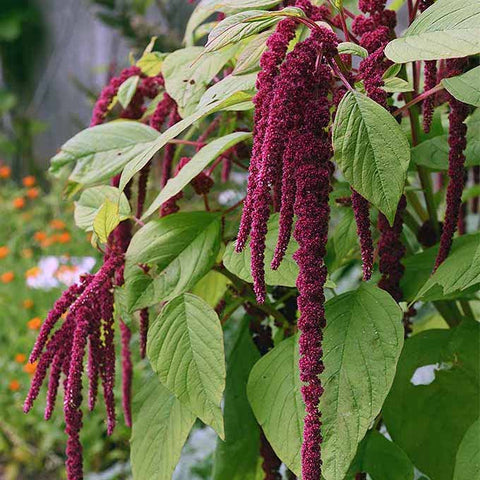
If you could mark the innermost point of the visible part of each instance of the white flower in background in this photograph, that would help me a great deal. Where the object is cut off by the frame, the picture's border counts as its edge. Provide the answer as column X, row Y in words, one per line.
column 52, row 272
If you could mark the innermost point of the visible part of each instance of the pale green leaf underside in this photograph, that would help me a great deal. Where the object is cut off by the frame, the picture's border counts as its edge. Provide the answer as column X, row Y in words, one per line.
column 106, row 220
column 146, row 151
column 372, row 151
column 185, row 348
column 352, row 49
column 196, row 165
column 249, row 59
column 227, row 87
column 466, row 87
column 101, row 152
column 448, row 29
column 161, row 425
column 127, row 90
column 362, row 342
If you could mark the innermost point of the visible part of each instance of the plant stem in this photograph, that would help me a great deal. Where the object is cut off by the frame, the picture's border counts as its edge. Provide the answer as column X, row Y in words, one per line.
column 467, row 309
column 418, row 99
column 449, row 311
column 411, row 222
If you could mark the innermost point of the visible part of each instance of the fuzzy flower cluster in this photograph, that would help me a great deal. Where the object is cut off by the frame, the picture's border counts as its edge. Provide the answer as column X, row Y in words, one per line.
column 87, row 312
column 456, row 164
column 291, row 154
column 391, row 251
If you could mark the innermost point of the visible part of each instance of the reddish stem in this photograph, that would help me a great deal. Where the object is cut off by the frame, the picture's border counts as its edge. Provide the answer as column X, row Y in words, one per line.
column 417, row 99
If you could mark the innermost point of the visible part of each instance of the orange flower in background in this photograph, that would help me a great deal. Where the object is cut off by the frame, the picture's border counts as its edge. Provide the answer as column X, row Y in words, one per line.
column 4, row 251
column 20, row 358
column 5, row 171
column 32, row 272
column 27, row 303
column 27, row 253
column 64, row 237
column 33, row 193
column 30, row 367
column 57, row 224
column 7, row 277
column 47, row 242
column 14, row 386
column 18, row 203
column 29, row 181
column 35, row 323
column 40, row 236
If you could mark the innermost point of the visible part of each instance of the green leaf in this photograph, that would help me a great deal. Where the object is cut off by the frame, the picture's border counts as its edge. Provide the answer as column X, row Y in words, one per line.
column 211, row 288
column 179, row 250
column 274, row 392
column 185, row 348
column 344, row 241
column 92, row 199
column 106, row 220
column 437, row 378
column 448, row 29
column 245, row 24
column 187, row 74
column 151, row 63
column 362, row 342
column 418, row 269
column 143, row 155
column 382, row 459
column 392, row 71
column 395, row 84
column 249, row 59
column 127, row 90
column 228, row 86
column 161, row 425
column 460, row 271
column 101, row 152
column 467, row 464
column 351, row 48
column 239, row 263
column 196, row 165
column 206, row 8
column 237, row 458
column 466, row 87
column 372, row 151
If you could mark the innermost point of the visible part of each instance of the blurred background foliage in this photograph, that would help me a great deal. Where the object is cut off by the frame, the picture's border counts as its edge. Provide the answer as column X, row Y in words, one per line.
column 55, row 56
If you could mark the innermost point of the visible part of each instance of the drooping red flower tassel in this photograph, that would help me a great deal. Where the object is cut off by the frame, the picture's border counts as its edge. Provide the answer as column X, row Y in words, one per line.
column 456, row 166
column 362, row 219
column 127, row 370
column 391, row 251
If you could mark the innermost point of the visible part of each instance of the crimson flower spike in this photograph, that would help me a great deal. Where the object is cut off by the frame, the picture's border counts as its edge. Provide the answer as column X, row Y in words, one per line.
column 456, row 165
column 100, row 110
column 277, row 45
column 362, row 218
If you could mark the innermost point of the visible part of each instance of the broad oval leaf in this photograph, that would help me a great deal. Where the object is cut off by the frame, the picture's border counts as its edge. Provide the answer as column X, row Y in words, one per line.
column 206, row 8
column 372, row 151
column 189, row 71
column 237, row 458
column 351, row 48
column 395, row 84
column 127, row 90
column 362, row 343
column 161, row 425
column 228, row 86
column 459, row 272
column 196, row 165
column 249, row 58
column 92, row 199
column 467, row 464
column 138, row 161
column 151, row 63
column 177, row 250
column 242, row 25
column 438, row 372
column 106, row 220
column 466, row 87
column 381, row 459
column 101, row 152
column 448, row 29
column 185, row 348
column 239, row 263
